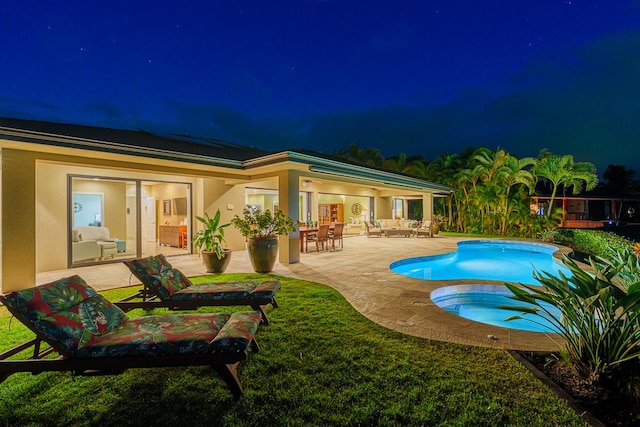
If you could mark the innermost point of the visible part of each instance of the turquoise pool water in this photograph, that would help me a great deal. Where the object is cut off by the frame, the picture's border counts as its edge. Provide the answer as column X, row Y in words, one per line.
column 480, row 303
column 499, row 260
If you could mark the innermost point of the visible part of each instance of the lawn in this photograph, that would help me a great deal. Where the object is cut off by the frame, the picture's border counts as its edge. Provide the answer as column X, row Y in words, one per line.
column 321, row 363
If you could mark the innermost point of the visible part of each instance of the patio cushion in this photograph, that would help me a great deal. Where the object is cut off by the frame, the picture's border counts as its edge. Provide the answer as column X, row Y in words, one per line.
column 158, row 335
column 67, row 311
column 238, row 332
column 167, row 282
column 144, row 267
column 170, row 334
column 266, row 288
column 215, row 291
column 228, row 291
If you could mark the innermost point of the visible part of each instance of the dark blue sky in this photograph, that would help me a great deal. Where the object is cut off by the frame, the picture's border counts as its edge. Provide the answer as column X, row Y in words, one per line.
column 423, row 77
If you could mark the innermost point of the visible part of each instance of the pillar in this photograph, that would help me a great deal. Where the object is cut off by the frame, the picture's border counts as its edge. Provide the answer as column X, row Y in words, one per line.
column 288, row 198
column 18, row 216
column 427, row 206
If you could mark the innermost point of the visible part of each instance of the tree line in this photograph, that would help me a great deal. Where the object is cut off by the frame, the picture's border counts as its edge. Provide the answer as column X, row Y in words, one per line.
column 493, row 190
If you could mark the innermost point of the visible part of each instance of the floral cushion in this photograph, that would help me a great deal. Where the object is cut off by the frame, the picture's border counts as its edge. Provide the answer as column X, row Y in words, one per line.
column 169, row 334
column 156, row 273
column 167, row 282
column 215, row 291
column 67, row 311
column 229, row 291
column 144, row 267
column 170, row 283
column 266, row 289
column 238, row 332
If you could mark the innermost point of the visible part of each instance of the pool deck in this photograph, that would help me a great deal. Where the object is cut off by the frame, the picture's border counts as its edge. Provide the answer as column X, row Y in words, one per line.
column 360, row 272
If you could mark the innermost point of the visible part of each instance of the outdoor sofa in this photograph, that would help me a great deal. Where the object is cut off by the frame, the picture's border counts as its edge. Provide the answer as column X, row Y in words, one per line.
column 93, row 336
column 397, row 227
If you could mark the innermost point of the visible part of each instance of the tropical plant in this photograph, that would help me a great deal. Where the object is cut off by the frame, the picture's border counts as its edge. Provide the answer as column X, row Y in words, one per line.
column 211, row 237
column 600, row 315
column 563, row 171
column 258, row 223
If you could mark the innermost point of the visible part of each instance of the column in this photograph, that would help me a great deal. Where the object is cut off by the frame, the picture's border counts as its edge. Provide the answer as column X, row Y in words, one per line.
column 288, row 197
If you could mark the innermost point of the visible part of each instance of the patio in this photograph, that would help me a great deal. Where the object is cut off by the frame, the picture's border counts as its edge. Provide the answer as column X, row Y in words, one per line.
column 361, row 274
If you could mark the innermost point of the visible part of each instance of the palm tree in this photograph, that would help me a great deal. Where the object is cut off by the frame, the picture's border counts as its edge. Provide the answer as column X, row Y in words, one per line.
column 398, row 164
column 514, row 174
column 562, row 170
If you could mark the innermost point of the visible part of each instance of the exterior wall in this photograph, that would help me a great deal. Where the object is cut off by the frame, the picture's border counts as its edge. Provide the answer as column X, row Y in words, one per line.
column 230, row 200
column 383, row 208
column 18, row 220
column 51, row 218
column 34, row 202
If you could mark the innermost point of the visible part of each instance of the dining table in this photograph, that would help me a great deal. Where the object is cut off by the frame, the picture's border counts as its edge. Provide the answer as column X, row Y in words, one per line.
column 304, row 234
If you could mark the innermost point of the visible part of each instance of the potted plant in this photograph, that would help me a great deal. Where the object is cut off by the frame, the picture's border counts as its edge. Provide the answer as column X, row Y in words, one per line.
column 436, row 223
column 262, row 229
column 210, row 241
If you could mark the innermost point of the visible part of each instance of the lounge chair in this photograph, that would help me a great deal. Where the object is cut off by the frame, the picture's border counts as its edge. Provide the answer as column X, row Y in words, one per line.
column 93, row 336
column 165, row 286
column 424, row 229
column 370, row 230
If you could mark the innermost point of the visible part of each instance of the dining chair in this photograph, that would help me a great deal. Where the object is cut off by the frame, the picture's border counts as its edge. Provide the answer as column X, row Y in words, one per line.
column 336, row 234
column 320, row 238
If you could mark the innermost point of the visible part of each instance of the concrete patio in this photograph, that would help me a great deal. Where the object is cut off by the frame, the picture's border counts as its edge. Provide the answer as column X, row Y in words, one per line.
column 360, row 272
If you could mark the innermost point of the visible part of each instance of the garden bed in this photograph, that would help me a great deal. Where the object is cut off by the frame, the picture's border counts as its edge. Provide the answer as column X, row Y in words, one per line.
column 598, row 406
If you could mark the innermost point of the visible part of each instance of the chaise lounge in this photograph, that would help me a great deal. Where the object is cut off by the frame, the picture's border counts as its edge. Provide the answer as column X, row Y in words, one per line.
column 93, row 336
column 165, row 286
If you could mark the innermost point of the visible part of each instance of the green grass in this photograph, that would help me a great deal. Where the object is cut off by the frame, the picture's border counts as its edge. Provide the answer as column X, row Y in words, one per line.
column 321, row 363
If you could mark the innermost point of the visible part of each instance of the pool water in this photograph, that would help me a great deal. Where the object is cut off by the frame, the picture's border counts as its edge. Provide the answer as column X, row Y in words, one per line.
column 499, row 260
column 480, row 303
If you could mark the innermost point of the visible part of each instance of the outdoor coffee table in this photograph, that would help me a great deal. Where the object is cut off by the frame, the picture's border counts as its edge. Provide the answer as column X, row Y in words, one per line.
column 405, row 232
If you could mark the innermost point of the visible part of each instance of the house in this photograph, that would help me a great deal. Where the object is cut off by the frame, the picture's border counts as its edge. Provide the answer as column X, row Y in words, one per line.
column 132, row 191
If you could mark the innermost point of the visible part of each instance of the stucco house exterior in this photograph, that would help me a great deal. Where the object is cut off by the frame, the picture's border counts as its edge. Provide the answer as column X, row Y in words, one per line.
column 144, row 189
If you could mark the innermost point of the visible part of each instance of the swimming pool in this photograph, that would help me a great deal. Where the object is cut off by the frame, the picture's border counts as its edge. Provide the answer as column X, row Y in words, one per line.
column 480, row 304
column 501, row 260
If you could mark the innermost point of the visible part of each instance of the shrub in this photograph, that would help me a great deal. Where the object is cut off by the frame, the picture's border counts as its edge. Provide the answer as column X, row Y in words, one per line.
column 596, row 243
column 600, row 243
column 258, row 223
column 600, row 314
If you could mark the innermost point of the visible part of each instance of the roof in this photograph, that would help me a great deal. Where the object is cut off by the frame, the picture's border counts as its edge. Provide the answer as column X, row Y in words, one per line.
column 196, row 150
column 90, row 137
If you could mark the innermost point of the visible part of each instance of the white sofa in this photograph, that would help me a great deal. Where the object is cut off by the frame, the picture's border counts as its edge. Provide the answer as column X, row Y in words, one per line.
column 90, row 242
column 397, row 227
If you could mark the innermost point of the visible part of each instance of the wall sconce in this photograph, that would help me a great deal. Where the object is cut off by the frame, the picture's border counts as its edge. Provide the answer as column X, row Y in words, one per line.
column 306, row 183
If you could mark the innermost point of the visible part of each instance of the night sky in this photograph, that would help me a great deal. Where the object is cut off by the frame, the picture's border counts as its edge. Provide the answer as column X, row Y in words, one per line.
column 421, row 77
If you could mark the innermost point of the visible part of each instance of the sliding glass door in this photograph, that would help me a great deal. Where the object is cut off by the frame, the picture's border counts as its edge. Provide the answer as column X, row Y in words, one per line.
column 112, row 219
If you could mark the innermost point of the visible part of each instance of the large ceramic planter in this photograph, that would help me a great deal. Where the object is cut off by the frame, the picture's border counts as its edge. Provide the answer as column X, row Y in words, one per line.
column 263, row 252
column 215, row 265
